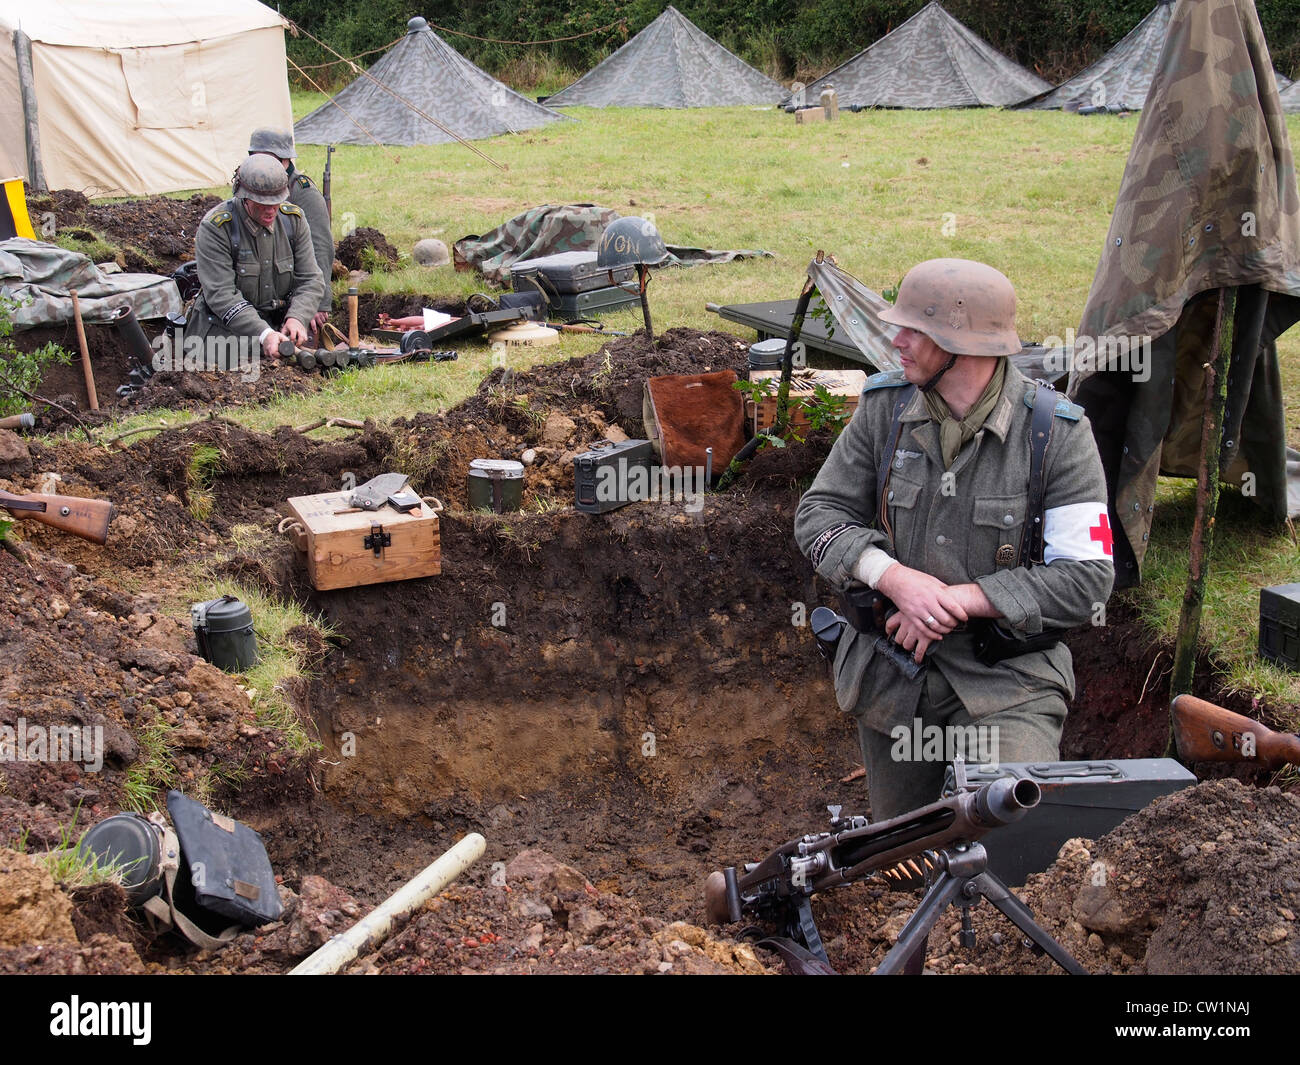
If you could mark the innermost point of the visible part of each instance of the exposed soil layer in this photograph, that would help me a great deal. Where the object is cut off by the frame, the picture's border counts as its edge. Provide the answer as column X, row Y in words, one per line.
column 365, row 249
column 633, row 694
column 154, row 235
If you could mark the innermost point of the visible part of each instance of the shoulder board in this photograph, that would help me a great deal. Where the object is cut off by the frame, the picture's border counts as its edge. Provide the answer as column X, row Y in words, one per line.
column 304, row 182
column 220, row 218
column 1064, row 408
column 291, row 208
column 890, row 379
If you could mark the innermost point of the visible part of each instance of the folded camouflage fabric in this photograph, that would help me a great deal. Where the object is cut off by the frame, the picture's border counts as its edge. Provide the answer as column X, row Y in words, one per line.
column 555, row 228
column 38, row 277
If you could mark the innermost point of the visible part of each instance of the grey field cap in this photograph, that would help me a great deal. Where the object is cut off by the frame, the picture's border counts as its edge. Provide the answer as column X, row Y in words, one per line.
column 277, row 142
column 262, row 180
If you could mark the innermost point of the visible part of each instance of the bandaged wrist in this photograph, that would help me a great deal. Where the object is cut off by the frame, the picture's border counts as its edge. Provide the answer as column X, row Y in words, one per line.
column 871, row 566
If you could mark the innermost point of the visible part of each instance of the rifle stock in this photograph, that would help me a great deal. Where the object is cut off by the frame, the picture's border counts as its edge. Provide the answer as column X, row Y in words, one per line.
column 1205, row 732
column 87, row 518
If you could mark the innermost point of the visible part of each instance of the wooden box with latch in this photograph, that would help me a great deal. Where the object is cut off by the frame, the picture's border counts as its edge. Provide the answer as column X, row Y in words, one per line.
column 847, row 384
column 346, row 546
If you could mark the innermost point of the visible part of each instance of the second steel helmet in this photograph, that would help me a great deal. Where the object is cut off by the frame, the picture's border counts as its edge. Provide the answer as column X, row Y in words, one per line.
column 262, row 180
column 630, row 241
column 965, row 307
column 277, row 142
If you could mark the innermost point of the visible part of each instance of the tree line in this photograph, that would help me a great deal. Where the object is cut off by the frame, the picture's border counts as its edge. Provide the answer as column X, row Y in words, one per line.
column 784, row 38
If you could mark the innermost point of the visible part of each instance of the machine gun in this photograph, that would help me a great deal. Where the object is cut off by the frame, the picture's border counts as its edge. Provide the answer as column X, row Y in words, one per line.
column 942, row 837
column 87, row 518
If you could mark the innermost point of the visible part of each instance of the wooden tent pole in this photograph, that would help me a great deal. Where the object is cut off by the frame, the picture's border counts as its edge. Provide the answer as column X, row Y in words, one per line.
column 1207, row 499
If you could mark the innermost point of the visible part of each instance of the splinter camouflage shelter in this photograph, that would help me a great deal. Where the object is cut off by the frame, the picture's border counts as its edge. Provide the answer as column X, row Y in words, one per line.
column 1119, row 80
column 1208, row 201
column 670, row 63
column 931, row 60
column 424, row 69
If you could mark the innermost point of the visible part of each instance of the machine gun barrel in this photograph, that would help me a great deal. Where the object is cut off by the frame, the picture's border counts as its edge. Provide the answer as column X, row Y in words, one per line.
column 818, row 862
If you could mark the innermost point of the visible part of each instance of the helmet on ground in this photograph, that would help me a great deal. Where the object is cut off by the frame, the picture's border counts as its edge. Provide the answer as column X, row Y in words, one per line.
column 277, row 142
column 262, row 180
column 965, row 307
column 630, row 241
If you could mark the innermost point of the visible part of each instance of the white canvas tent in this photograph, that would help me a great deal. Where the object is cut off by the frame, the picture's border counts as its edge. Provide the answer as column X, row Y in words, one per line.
column 134, row 97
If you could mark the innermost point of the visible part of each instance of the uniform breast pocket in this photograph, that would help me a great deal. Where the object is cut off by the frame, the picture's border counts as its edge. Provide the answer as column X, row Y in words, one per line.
column 283, row 275
column 246, row 276
column 997, row 524
column 901, row 500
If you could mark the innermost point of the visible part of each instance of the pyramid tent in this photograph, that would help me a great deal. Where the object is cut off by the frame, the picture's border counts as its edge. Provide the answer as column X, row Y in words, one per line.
column 931, row 60
column 136, row 97
column 1290, row 97
column 1119, row 80
column 426, row 71
column 670, row 63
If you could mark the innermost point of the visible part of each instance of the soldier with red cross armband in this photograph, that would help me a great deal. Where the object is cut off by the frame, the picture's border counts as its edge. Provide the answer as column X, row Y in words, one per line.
column 989, row 547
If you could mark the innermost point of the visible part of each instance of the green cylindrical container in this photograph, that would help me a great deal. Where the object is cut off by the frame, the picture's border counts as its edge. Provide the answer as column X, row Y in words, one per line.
column 224, row 631
column 496, row 485
column 766, row 354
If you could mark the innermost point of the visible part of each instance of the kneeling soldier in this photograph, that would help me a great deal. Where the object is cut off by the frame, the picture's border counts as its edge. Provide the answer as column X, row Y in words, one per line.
column 256, row 263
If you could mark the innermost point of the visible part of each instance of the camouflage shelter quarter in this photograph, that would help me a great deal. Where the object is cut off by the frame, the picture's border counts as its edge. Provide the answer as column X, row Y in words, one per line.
column 423, row 69
column 1120, row 79
column 931, row 60
column 1208, row 201
column 670, row 63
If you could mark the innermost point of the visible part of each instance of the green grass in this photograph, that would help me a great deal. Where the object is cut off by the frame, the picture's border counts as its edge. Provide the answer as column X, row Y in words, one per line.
column 153, row 771
column 70, row 865
column 202, row 470
column 1031, row 192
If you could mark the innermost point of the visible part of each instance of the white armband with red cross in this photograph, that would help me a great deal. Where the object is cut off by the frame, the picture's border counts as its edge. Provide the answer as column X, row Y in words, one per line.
column 1077, row 533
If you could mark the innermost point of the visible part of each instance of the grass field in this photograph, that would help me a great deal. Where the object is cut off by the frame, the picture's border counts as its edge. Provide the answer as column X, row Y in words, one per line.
column 1028, row 192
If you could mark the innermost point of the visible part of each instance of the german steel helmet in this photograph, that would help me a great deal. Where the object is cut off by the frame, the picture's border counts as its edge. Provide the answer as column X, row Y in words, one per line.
column 277, row 142
column 965, row 307
column 262, row 180
column 630, row 241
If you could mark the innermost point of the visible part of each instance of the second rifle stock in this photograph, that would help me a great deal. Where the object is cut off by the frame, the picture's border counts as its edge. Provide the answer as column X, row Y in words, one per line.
column 87, row 518
column 1206, row 732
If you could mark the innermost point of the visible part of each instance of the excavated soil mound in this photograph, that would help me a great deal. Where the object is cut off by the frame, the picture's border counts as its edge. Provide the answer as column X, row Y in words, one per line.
column 365, row 249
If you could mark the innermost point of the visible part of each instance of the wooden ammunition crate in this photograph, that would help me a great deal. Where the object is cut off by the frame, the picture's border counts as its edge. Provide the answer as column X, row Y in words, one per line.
column 363, row 547
column 846, row 383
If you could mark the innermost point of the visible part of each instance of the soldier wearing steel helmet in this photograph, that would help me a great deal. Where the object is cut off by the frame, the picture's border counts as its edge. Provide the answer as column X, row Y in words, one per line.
column 255, row 262
column 925, row 497
column 303, row 194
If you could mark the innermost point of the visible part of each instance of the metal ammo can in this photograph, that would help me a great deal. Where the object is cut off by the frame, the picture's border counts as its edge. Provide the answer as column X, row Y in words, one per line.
column 591, row 496
column 496, row 485
column 224, row 631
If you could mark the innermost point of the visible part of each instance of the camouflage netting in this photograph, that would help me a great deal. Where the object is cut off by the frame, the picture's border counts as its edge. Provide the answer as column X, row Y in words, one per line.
column 670, row 63
column 425, row 70
column 931, row 60
column 1208, row 201
column 1119, row 80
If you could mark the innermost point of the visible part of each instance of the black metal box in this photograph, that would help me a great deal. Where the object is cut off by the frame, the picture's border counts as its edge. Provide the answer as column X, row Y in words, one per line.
column 1279, row 625
column 601, row 479
column 1085, row 799
column 566, row 273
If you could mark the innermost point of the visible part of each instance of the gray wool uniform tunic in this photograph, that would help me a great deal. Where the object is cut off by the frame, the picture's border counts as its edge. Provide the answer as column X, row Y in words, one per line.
column 304, row 194
column 275, row 273
column 962, row 528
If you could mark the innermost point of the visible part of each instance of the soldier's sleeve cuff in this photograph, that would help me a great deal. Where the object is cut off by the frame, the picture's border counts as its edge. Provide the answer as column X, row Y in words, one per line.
column 1010, row 598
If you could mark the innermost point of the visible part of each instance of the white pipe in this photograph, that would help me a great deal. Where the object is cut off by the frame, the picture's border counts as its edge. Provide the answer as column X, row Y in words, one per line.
column 375, row 927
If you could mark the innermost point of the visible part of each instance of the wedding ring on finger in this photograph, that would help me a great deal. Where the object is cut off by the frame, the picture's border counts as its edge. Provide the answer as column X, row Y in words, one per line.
column 930, row 621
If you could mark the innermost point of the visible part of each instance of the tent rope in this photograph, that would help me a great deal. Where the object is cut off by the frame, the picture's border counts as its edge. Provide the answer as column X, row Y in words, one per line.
column 402, row 100
column 359, row 55
column 621, row 23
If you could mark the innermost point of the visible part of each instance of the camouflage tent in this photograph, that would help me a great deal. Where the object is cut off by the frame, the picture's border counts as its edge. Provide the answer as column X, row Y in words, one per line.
column 931, row 60
column 670, row 63
column 1119, row 80
column 426, row 71
column 1290, row 97
column 1208, row 201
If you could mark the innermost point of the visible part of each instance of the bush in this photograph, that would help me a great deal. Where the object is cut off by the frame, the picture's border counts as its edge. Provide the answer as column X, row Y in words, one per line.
column 22, row 370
